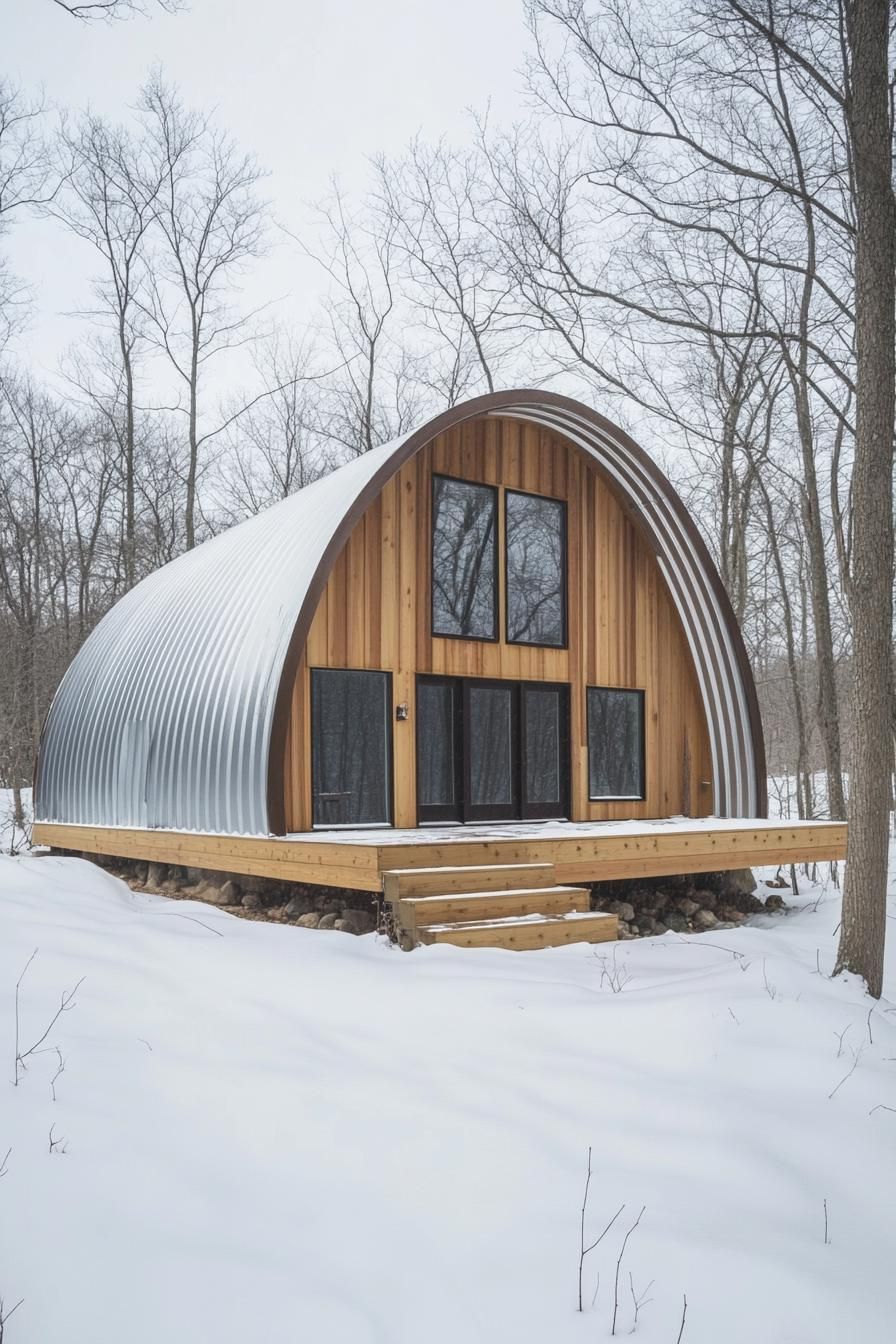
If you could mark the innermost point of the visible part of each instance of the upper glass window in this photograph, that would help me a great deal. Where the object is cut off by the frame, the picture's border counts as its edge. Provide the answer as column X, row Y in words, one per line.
column 615, row 743
column 536, row 569
column 464, row 559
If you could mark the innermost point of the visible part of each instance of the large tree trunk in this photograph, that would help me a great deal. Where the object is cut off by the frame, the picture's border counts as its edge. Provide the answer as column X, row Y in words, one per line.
column 864, row 894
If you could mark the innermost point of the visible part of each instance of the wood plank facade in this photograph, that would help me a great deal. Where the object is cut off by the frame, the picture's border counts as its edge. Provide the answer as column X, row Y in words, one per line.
column 623, row 629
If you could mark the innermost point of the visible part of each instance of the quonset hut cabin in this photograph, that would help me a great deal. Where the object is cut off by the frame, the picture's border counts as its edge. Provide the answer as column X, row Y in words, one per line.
column 469, row 667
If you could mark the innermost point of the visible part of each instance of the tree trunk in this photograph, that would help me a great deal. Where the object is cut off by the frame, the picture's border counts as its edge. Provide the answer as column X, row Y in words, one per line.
column 865, row 889
column 193, row 430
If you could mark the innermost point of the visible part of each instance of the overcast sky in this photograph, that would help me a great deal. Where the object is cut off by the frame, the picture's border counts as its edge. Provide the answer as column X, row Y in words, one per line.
column 312, row 88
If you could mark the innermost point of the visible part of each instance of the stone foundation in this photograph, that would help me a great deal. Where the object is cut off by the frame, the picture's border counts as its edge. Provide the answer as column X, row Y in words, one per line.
column 645, row 907
column 696, row 903
column 300, row 903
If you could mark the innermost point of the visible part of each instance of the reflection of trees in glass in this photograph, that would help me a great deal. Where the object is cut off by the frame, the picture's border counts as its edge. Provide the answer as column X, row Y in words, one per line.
column 350, row 755
column 463, row 558
column 490, row 746
column 535, row 562
column 435, row 759
column 542, row 729
column 615, row 737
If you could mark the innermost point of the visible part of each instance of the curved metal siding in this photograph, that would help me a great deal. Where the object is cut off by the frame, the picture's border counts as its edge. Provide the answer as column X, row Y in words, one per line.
column 165, row 716
column 189, row 662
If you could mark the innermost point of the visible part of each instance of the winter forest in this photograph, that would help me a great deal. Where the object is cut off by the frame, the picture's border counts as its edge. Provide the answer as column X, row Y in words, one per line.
column 669, row 232
column 395, row 944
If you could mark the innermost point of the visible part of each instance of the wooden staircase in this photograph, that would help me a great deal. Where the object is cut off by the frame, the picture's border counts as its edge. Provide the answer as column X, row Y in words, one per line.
column 518, row 906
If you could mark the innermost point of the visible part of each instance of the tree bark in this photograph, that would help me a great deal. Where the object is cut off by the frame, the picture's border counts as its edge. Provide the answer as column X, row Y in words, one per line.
column 864, row 895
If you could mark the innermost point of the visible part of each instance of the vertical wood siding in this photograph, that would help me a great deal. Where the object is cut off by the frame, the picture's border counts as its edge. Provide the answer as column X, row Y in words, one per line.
column 623, row 628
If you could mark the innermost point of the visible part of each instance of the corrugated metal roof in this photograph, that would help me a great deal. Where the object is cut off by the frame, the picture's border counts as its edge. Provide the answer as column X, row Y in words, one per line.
column 176, row 685
column 165, row 716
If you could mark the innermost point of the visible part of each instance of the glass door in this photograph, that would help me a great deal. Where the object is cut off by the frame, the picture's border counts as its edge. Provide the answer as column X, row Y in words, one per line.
column 491, row 750
column 439, row 749
column 544, row 746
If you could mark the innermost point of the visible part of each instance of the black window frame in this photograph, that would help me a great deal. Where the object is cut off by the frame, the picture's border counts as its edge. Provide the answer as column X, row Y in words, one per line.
column 435, row 813
column 463, row 812
column 564, row 573
column 642, row 759
column 511, row 810
column 390, row 752
column 496, row 616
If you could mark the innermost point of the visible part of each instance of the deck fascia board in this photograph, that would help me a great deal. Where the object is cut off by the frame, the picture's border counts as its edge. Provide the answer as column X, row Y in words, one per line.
column 583, row 855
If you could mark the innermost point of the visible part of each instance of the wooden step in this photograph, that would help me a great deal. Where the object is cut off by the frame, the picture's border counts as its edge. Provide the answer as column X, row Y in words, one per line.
column 478, row 905
column 525, row 934
column 400, row 882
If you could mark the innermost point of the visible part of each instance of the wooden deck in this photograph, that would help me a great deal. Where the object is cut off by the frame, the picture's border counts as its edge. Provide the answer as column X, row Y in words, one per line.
column 579, row 851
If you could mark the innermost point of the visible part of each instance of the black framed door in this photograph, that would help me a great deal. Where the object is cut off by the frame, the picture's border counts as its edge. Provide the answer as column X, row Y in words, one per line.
column 490, row 750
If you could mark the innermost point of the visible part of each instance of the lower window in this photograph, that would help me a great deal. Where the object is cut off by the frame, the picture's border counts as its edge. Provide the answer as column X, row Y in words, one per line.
column 615, row 743
column 351, row 747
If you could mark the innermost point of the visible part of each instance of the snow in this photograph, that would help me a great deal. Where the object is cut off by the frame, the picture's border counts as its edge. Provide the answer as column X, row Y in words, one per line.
column 275, row 1134
column 540, row 830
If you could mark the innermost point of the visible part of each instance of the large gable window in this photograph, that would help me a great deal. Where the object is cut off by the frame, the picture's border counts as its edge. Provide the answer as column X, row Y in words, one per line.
column 351, row 747
column 615, row 743
column 464, row 559
column 536, row 569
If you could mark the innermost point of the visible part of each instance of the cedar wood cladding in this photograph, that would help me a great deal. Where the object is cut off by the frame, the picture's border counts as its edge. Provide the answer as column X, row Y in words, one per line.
column 374, row 612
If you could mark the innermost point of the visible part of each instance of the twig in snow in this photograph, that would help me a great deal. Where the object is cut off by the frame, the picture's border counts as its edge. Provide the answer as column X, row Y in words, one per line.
column 18, row 986
column 689, row 942
column 171, row 914
column 66, row 1002
column 56, row 1145
column 827, row 1240
column 146, row 1043
column 4, row 1162
column 684, row 1312
column 638, row 1302
column 583, row 1249
column 60, row 1070
column 868, row 1024
column 617, row 978
column 879, row 1107
column 737, row 1020
column 857, row 1055
column 770, row 990
column 619, row 1267
column 840, row 1036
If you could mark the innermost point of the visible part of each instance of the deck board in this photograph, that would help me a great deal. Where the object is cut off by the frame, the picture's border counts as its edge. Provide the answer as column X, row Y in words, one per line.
column 580, row 851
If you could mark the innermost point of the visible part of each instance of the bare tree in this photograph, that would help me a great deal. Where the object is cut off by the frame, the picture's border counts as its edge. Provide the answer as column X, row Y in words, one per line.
column 708, row 148
column 431, row 204
column 867, row 98
column 275, row 444
column 110, row 200
column 212, row 222
column 373, row 396
column 116, row 9
column 25, row 182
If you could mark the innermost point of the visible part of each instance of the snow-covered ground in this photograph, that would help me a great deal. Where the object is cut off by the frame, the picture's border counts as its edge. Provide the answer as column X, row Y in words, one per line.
column 270, row 1134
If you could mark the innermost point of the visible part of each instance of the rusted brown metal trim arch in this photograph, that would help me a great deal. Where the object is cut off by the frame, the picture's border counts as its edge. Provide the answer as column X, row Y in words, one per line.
column 515, row 403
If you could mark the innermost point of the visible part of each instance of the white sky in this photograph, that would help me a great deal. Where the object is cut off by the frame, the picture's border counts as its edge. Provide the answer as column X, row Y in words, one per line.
column 312, row 88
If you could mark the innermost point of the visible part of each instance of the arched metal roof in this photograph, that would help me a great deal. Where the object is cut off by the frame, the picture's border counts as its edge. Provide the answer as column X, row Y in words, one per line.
column 167, row 715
